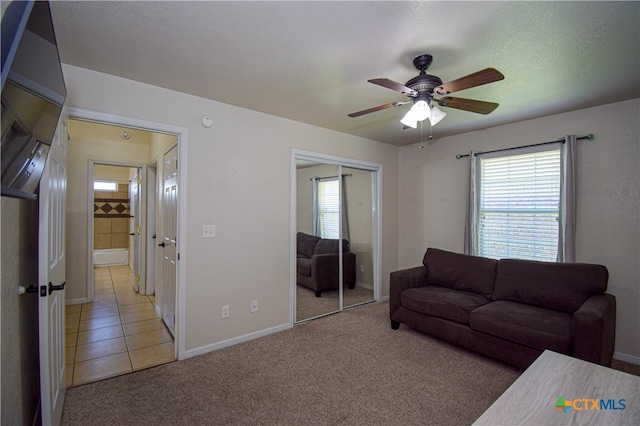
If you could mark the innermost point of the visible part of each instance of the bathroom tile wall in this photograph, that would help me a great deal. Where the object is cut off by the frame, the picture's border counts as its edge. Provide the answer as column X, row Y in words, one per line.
column 111, row 218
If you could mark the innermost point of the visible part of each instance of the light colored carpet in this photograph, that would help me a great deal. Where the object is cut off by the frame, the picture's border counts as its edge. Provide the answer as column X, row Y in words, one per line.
column 344, row 369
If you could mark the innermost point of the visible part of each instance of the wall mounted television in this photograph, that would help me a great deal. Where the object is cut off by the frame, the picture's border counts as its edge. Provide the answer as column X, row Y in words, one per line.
column 33, row 93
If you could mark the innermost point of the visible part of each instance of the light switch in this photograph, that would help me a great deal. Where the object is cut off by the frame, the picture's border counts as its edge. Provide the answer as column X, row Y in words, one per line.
column 208, row 231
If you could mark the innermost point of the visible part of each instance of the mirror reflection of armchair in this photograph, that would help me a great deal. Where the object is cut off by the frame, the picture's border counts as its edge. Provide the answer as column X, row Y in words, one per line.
column 318, row 263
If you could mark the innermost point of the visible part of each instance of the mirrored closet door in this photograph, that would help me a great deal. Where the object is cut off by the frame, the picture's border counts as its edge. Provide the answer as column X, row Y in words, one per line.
column 317, row 248
column 357, row 202
column 334, row 237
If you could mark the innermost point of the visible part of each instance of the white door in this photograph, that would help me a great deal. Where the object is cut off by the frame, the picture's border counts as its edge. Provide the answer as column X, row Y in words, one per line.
column 169, row 236
column 51, row 279
column 134, row 228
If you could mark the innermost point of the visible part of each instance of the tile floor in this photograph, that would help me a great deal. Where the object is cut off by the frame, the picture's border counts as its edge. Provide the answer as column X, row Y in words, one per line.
column 119, row 332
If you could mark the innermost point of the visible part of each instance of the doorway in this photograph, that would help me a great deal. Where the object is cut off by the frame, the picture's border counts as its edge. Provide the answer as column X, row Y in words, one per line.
column 117, row 226
column 120, row 321
column 334, row 234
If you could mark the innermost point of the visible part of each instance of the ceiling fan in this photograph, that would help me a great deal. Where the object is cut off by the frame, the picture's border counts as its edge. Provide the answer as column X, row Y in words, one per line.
column 422, row 89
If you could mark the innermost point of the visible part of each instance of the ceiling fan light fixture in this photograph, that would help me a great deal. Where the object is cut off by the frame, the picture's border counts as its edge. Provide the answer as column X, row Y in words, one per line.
column 409, row 122
column 419, row 111
column 436, row 115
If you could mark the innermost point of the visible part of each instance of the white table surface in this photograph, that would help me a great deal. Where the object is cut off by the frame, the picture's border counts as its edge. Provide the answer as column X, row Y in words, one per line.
column 532, row 398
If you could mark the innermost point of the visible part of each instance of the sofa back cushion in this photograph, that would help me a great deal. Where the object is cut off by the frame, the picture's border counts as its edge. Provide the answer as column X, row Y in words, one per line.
column 305, row 244
column 560, row 286
column 460, row 271
column 330, row 246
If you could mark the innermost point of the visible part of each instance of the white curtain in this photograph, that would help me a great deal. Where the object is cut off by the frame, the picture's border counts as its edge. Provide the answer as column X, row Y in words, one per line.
column 470, row 229
column 344, row 222
column 315, row 207
column 567, row 216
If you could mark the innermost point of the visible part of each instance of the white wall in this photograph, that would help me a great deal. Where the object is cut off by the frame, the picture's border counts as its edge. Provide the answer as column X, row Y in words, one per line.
column 114, row 173
column 19, row 359
column 433, row 187
column 233, row 169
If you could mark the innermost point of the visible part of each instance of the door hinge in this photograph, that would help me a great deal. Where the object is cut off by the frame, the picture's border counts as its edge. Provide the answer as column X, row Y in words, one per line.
column 139, row 181
column 138, row 229
column 137, row 277
column 178, row 256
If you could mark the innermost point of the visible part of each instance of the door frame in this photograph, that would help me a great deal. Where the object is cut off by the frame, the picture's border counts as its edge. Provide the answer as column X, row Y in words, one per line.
column 151, row 222
column 182, row 135
column 376, row 176
column 90, row 225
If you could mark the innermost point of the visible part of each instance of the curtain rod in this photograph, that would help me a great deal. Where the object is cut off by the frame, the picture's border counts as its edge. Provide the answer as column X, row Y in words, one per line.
column 590, row 136
column 330, row 177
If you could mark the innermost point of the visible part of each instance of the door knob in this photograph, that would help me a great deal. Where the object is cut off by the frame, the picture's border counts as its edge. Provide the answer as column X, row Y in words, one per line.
column 31, row 289
column 161, row 244
column 53, row 288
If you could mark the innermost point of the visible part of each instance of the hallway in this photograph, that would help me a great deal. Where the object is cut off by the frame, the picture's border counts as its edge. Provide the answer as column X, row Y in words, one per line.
column 119, row 332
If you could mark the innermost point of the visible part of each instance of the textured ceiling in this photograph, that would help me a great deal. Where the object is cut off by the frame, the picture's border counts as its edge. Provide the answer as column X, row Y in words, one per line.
column 310, row 61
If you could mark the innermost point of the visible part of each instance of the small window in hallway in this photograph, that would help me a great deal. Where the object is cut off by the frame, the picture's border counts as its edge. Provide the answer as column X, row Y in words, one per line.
column 105, row 185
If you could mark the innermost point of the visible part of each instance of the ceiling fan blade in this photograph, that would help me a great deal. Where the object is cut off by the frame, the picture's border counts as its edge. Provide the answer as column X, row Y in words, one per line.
column 378, row 108
column 480, row 107
column 393, row 85
column 488, row 75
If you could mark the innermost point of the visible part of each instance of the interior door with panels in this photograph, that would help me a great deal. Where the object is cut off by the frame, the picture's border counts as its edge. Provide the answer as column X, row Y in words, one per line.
column 169, row 236
column 51, row 281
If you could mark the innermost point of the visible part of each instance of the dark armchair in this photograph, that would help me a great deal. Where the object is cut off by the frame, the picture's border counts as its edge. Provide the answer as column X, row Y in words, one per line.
column 318, row 263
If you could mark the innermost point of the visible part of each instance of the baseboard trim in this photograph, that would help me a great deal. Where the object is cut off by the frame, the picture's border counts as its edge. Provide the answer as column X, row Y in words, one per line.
column 75, row 301
column 627, row 358
column 383, row 299
column 234, row 341
column 365, row 286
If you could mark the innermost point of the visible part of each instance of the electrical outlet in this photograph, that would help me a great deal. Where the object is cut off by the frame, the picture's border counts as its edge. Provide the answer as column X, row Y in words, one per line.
column 254, row 306
column 225, row 311
column 361, row 268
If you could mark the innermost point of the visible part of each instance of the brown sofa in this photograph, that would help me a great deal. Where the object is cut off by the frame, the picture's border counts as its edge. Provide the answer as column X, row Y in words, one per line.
column 318, row 263
column 509, row 309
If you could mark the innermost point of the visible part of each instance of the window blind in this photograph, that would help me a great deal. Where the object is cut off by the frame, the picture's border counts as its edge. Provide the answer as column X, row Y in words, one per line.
column 329, row 203
column 519, row 206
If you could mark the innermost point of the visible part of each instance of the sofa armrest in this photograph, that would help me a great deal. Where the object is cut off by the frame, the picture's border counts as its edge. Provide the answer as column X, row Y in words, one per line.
column 402, row 280
column 594, row 329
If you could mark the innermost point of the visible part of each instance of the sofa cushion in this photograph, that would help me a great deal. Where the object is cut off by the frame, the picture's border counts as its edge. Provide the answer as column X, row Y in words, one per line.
column 330, row 246
column 304, row 266
column 442, row 302
column 461, row 272
column 306, row 244
column 533, row 326
column 559, row 286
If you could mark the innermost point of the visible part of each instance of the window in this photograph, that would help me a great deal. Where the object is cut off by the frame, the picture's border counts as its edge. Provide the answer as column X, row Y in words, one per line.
column 518, row 205
column 105, row 185
column 329, row 206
